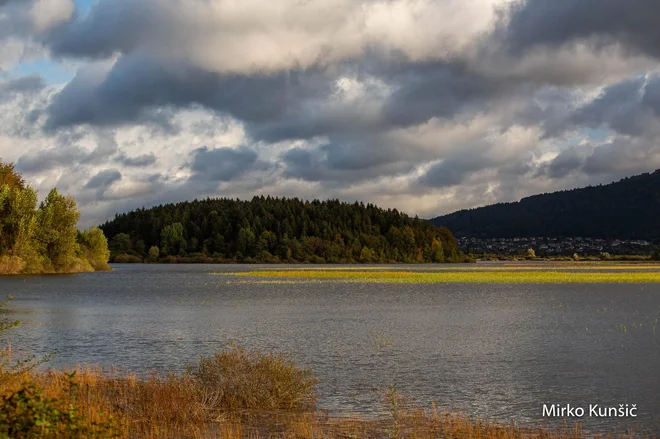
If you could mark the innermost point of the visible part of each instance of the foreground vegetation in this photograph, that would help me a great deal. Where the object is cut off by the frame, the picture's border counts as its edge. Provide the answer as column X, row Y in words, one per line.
column 44, row 239
column 234, row 394
column 89, row 404
column 275, row 230
column 505, row 275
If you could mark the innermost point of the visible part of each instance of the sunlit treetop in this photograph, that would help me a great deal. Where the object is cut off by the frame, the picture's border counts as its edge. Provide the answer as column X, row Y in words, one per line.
column 8, row 176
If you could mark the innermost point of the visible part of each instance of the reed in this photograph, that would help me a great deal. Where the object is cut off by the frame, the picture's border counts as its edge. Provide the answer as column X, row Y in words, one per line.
column 108, row 404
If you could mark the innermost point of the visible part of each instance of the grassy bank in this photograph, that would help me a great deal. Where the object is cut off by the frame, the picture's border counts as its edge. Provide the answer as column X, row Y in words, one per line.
column 235, row 394
column 504, row 275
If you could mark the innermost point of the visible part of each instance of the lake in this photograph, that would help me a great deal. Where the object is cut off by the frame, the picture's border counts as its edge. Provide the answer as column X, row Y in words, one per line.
column 495, row 351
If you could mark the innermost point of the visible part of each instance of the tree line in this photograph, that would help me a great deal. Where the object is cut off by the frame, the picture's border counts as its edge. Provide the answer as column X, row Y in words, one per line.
column 626, row 209
column 268, row 229
column 43, row 238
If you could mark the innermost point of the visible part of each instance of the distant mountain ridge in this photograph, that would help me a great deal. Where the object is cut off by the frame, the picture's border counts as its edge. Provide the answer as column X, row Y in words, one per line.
column 627, row 209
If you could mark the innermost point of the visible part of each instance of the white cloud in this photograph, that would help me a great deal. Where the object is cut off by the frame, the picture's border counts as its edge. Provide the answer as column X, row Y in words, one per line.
column 47, row 14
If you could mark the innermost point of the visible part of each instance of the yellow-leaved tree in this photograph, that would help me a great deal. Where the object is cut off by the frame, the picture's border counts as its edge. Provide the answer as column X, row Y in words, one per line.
column 44, row 239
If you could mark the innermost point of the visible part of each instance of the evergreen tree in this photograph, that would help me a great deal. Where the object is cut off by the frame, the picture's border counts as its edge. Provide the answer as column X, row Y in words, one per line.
column 270, row 229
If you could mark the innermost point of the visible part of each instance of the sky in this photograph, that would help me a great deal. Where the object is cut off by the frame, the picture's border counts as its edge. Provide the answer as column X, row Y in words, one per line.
column 426, row 106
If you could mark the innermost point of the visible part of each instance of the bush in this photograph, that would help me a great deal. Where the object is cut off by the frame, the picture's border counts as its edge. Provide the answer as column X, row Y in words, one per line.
column 656, row 255
column 154, row 253
column 127, row 259
column 28, row 413
column 317, row 260
column 238, row 379
column 94, row 247
column 11, row 265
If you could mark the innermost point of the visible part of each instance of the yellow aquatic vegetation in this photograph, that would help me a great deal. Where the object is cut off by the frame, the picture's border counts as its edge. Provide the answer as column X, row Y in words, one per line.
column 554, row 266
column 417, row 277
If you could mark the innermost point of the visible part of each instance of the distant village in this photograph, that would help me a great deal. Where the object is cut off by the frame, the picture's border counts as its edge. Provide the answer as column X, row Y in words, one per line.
column 544, row 246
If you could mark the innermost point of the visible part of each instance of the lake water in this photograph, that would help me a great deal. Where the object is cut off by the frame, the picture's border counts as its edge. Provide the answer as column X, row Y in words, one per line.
column 495, row 351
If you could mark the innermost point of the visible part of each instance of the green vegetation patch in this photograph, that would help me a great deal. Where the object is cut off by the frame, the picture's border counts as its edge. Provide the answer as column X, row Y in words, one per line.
column 43, row 238
column 459, row 277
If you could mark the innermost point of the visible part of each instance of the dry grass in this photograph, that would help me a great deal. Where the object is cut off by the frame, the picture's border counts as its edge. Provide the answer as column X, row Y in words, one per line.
column 170, row 407
column 224, row 398
column 188, row 404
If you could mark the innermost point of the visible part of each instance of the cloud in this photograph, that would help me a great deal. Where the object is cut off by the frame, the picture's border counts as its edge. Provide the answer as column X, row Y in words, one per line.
column 618, row 106
column 633, row 24
column 629, row 107
column 567, row 162
column 438, row 90
column 46, row 14
column 136, row 89
column 141, row 161
column 103, row 179
column 222, row 164
column 40, row 160
column 265, row 37
column 29, row 84
column 426, row 106
column 33, row 18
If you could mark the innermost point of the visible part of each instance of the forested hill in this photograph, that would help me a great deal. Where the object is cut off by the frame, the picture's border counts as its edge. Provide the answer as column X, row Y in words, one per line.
column 279, row 229
column 628, row 209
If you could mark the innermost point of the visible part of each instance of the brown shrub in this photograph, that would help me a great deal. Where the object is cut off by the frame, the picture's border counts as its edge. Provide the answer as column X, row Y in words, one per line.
column 238, row 379
column 11, row 265
column 127, row 259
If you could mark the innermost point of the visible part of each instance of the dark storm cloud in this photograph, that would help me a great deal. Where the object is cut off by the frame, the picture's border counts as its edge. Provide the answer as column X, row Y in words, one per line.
column 103, row 179
column 140, row 161
column 136, row 87
column 15, row 20
column 350, row 160
column 568, row 161
column 454, row 169
column 38, row 161
column 618, row 106
column 633, row 23
column 222, row 164
column 629, row 107
column 421, row 91
column 651, row 97
column 442, row 175
column 473, row 157
column 623, row 156
column 112, row 26
column 616, row 157
column 436, row 90
column 23, row 85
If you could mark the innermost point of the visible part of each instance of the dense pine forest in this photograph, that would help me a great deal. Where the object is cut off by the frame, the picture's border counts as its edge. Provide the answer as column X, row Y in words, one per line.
column 269, row 229
column 44, row 239
column 627, row 209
